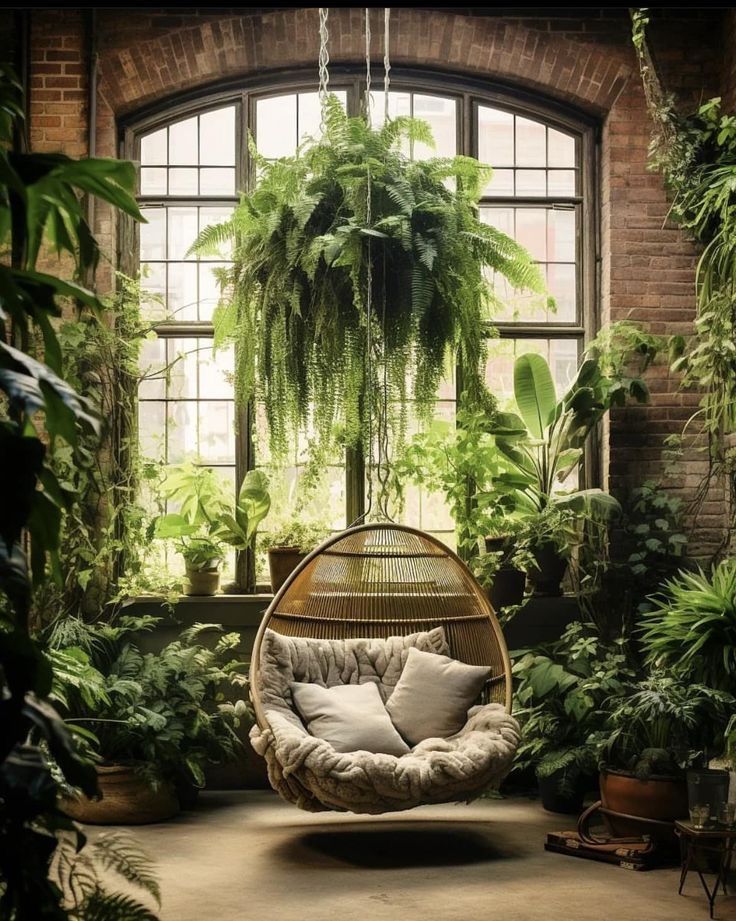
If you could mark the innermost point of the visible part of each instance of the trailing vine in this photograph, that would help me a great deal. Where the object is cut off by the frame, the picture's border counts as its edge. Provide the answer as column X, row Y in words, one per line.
column 696, row 155
column 295, row 299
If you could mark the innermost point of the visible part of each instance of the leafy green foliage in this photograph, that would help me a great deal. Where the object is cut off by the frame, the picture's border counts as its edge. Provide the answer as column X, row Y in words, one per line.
column 167, row 712
column 207, row 518
column 304, row 240
column 40, row 413
column 298, row 534
column 664, row 724
column 691, row 627
column 696, row 154
column 563, row 696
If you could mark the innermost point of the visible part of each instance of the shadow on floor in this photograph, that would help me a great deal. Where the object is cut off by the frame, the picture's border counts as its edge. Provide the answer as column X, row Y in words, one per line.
column 395, row 847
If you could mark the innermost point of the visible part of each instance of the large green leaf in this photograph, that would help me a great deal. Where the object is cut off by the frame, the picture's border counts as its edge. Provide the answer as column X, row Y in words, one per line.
column 534, row 391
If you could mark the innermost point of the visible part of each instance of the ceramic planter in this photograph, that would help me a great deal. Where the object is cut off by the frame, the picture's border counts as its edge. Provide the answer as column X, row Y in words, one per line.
column 202, row 581
column 127, row 799
column 663, row 799
column 282, row 561
column 508, row 583
column 568, row 803
column 552, row 566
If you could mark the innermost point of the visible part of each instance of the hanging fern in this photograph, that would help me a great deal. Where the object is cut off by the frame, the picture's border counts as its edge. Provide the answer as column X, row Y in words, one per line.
column 295, row 299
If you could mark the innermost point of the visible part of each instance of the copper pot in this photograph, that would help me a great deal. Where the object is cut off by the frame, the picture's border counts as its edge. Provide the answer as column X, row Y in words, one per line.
column 662, row 799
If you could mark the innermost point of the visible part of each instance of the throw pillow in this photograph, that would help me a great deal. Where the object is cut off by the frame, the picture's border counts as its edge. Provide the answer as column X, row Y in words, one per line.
column 433, row 695
column 351, row 717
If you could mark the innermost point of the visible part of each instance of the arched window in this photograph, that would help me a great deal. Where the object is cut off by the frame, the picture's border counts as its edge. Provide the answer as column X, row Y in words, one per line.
column 194, row 159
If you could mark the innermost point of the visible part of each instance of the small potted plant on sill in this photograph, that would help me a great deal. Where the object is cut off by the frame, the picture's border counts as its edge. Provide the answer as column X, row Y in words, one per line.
column 288, row 545
column 152, row 721
column 207, row 520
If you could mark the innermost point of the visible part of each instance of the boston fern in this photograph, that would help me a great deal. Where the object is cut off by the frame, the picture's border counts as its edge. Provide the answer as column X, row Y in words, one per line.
column 295, row 298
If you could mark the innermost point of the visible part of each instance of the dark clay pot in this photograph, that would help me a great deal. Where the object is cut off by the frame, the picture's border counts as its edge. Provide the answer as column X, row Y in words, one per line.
column 509, row 582
column 565, row 803
column 547, row 579
column 282, row 561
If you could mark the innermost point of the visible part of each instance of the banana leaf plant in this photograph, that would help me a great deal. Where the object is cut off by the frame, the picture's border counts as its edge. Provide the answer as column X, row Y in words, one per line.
column 542, row 443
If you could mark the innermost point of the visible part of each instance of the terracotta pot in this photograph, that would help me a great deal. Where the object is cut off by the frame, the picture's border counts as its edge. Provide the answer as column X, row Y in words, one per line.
column 127, row 799
column 661, row 798
column 201, row 582
column 508, row 582
column 282, row 561
column 547, row 579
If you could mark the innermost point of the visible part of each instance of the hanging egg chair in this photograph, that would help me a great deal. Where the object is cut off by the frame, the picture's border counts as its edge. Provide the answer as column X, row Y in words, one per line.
column 348, row 614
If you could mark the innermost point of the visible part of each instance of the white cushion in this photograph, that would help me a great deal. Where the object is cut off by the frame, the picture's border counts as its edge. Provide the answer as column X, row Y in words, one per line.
column 351, row 717
column 433, row 695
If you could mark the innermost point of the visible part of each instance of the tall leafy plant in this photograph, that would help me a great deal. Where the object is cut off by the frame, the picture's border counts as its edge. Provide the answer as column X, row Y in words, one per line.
column 39, row 411
column 352, row 222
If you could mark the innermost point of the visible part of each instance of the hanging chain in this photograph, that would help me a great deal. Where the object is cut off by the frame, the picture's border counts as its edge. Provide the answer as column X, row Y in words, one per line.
column 324, row 62
column 368, row 101
column 386, row 59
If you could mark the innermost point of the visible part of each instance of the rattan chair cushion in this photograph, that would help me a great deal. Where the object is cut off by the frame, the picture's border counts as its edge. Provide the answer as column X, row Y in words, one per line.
column 432, row 698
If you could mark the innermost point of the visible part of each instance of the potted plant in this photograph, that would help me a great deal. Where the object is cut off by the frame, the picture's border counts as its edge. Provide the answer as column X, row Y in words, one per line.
column 304, row 242
column 288, row 545
column 151, row 720
column 657, row 729
column 561, row 695
column 206, row 520
column 542, row 445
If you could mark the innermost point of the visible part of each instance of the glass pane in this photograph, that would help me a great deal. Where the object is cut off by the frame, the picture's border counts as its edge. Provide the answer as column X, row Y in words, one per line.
column 309, row 116
column 441, row 113
column 560, row 148
column 217, row 137
column 183, row 182
column 182, row 231
column 215, row 372
column 531, row 182
column 216, row 432
column 153, row 181
column 561, row 355
column 531, row 231
column 209, row 289
column 495, row 137
column 561, row 236
column 153, row 234
column 502, row 183
column 561, row 182
column 217, row 182
column 151, row 363
column 152, row 430
column 531, row 142
column 182, row 431
column 182, row 356
column 182, row 298
column 209, row 216
column 153, row 148
column 183, row 143
column 153, row 281
column 561, row 284
column 398, row 104
column 276, row 126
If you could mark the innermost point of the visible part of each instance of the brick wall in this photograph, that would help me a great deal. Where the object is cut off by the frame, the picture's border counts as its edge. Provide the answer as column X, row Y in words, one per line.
column 583, row 58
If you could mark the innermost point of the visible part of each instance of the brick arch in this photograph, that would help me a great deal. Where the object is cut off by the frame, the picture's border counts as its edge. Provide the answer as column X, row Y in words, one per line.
column 157, row 54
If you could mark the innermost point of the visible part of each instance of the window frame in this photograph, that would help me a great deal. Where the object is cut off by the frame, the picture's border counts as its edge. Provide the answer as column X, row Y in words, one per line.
column 469, row 94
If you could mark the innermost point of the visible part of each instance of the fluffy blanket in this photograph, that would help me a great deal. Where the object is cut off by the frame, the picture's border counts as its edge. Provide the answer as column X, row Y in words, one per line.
column 309, row 772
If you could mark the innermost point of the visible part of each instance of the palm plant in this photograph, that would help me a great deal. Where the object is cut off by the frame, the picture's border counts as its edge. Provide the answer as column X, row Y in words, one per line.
column 306, row 243
column 692, row 626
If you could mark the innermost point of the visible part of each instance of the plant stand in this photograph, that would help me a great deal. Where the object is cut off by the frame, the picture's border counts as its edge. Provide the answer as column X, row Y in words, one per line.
column 698, row 842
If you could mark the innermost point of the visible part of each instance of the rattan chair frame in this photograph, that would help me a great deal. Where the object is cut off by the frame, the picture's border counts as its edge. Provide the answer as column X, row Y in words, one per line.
column 398, row 607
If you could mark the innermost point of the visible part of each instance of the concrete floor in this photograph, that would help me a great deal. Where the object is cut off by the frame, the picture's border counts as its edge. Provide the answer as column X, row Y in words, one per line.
column 247, row 855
